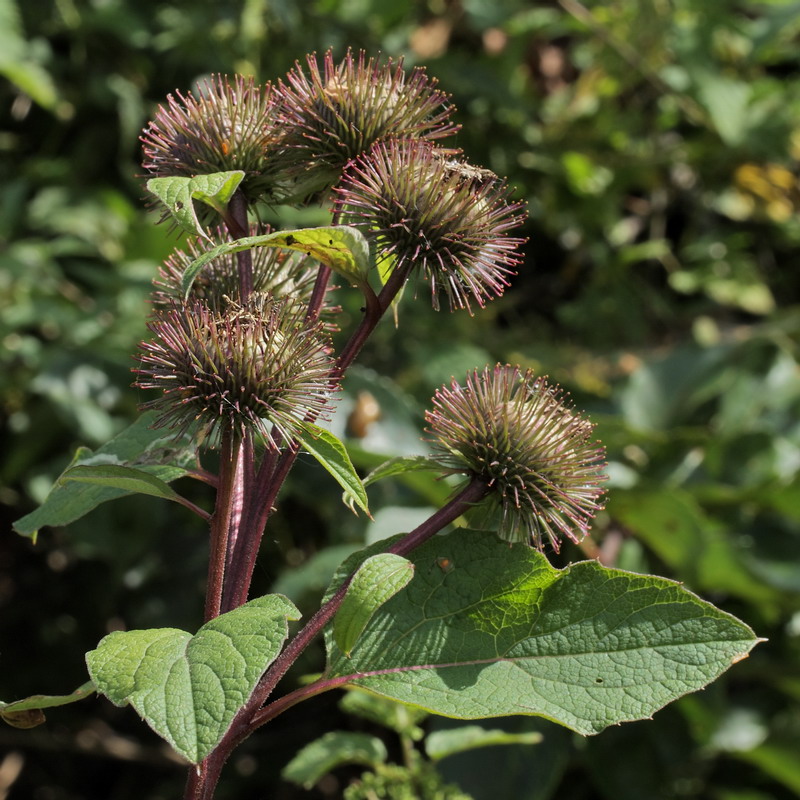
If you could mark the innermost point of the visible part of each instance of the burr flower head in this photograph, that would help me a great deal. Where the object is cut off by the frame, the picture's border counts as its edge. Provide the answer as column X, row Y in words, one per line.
column 429, row 213
column 288, row 275
column 258, row 367
column 515, row 432
column 334, row 114
column 227, row 125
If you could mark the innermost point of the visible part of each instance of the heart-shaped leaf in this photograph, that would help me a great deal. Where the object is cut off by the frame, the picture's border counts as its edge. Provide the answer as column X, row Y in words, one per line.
column 500, row 632
column 189, row 688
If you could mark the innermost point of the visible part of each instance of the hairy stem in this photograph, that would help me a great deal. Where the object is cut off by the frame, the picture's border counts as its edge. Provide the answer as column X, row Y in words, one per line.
column 202, row 779
column 240, row 503
column 243, row 556
column 221, row 521
column 318, row 293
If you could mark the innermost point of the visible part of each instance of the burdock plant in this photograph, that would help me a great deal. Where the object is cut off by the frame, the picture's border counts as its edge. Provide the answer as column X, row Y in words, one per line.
column 239, row 376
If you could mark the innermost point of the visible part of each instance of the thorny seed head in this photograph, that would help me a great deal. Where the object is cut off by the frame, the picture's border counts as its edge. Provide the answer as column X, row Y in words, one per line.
column 279, row 273
column 258, row 367
column 435, row 215
column 335, row 114
column 225, row 126
column 517, row 433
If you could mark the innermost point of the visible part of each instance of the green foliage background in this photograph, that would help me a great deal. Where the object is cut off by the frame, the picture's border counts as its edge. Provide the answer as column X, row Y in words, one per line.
column 657, row 146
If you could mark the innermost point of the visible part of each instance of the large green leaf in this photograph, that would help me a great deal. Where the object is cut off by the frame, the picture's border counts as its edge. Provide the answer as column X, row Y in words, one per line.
column 502, row 632
column 343, row 249
column 189, row 688
column 149, row 451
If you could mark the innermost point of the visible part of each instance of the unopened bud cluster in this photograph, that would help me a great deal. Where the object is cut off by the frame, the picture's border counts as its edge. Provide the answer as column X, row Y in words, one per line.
column 370, row 133
column 236, row 356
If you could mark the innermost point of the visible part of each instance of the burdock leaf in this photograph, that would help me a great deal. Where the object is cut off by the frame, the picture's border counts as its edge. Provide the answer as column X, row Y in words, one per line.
column 189, row 688
column 343, row 249
column 178, row 193
column 28, row 713
column 378, row 579
column 500, row 632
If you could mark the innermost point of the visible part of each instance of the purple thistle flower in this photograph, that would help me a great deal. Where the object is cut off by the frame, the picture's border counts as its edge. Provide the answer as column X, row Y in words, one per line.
column 257, row 367
column 515, row 432
column 332, row 115
column 226, row 126
column 428, row 213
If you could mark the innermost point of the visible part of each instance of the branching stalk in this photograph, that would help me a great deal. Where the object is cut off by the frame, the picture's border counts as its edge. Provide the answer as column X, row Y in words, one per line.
column 252, row 716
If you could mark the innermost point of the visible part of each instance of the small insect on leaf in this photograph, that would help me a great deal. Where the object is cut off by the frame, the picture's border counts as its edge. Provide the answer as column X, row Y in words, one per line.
column 445, row 564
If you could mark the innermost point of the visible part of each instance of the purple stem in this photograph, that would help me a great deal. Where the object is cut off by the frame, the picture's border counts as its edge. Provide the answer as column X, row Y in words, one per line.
column 244, row 480
column 376, row 308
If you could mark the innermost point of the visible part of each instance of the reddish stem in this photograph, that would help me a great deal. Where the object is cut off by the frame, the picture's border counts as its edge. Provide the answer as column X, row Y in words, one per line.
column 376, row 308
column 236, row 222
column 275, row 468
column 221, row 521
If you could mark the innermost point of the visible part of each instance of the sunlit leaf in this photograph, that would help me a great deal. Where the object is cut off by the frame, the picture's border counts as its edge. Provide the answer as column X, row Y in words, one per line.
column 502, row 632
column 189, row 688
